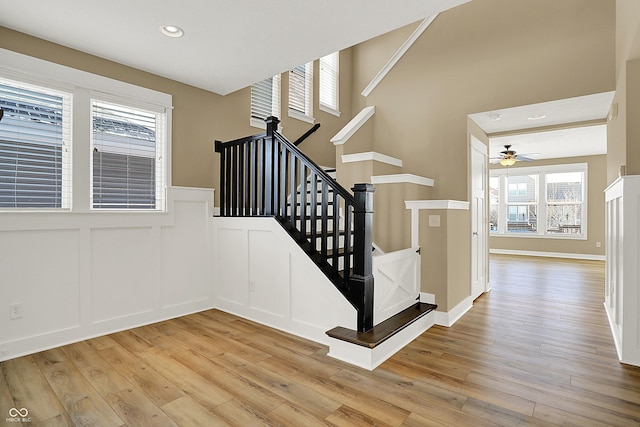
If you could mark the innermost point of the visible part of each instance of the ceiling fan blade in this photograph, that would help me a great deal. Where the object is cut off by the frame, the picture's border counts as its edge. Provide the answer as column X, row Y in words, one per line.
column 524, row 159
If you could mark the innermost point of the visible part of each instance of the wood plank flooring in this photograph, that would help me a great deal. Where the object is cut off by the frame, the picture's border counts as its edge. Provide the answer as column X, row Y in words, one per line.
column 536, row 350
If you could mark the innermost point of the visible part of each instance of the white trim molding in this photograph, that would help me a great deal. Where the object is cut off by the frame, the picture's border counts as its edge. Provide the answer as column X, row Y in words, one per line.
column 402, row 178
column 371, row 155
column 588, row 257
column 352, row 127
column 399, row 54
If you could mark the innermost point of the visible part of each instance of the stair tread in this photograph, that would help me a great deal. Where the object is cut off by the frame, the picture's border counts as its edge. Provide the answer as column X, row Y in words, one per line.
column 384, row 330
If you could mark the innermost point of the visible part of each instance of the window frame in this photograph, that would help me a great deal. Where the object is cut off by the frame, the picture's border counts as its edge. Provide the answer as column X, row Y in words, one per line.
column 328, row 75
column 542, row 204
column 159, row 153
column 307, row 114
column 83, row 86
column 66, row 143
column 276, row 97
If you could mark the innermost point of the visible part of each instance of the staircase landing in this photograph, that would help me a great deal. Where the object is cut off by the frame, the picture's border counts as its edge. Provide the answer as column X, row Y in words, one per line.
column 384, row 330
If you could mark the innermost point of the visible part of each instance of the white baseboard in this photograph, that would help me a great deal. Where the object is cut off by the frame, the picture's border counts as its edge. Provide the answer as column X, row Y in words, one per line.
column 588, row 257
column 428, row 298
column 450, row 317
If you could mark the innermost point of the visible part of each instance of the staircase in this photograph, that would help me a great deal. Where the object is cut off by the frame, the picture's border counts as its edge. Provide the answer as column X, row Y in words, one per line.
column 266, row 175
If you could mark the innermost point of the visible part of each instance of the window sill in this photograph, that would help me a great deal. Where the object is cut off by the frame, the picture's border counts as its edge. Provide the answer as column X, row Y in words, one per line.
column 541, row 236
column 257, row 123
column 296, row 115
column 329, row 110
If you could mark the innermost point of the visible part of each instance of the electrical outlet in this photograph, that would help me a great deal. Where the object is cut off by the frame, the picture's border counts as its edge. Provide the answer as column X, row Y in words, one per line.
column 434, row 220
column 15, row 311
column 598, row 244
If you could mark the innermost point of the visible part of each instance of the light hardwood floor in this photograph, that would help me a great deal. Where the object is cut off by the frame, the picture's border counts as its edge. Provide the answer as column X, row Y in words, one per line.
column 536, row 350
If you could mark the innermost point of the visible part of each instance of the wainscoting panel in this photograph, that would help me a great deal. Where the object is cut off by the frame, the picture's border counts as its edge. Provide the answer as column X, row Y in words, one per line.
column 283, row 288
column 232, row 273
column 622, row 290
column 121, row 272
column 269, row 282
column 186, row 256
column 79, row 275
column 39, row 270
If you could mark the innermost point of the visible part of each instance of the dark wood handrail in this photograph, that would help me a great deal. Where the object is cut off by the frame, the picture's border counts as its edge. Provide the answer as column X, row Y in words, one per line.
column 266, row 175
column 306, row 135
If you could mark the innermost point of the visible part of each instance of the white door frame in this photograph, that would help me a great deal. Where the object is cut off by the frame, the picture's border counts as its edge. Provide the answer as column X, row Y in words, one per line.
column 479, row 220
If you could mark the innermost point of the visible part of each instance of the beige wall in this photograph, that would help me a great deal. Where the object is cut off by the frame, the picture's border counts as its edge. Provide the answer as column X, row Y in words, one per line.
column 481, row 56
column 484, row 55
column 597, row 182
column 623, row 134
column 445, row 263
column 200, row 116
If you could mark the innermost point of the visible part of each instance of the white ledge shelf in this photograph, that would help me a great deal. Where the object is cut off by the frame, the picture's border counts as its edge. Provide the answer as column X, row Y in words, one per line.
column 352, row 127
column 402, row 178
column 371, row 155
column 436, row 204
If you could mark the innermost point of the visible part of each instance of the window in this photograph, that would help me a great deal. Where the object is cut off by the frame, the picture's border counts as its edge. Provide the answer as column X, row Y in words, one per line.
column 564, row 202
column 265, row 101
column 35, row 147
column 301, row 92
column 546, row 201
column 522, row 204
column 127, row 163
column 329, row 83
column 76, row 141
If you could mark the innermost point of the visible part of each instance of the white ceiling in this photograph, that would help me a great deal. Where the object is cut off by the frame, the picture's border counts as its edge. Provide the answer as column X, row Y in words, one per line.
column 517, row 126
column 228, row 45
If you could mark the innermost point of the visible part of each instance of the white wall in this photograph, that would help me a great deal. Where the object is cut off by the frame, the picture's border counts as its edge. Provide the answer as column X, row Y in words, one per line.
column 80, row 275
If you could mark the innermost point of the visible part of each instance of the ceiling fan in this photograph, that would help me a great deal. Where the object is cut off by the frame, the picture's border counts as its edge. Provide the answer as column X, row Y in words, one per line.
column 509, row 157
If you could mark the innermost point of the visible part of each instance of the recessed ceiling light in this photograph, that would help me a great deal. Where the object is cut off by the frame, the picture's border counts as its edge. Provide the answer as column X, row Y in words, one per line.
column 172, row 31
column 537, row 117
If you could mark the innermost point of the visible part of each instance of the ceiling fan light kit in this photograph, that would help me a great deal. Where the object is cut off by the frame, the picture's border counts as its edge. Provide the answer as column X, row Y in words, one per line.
column 507, row 162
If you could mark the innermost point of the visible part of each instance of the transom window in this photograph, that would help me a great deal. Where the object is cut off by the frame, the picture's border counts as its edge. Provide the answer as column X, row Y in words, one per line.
column 546, row 201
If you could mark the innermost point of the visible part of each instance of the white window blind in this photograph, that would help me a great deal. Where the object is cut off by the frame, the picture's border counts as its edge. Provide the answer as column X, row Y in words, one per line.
column 329, row 83
column 265, row 100
column 301, row 91
column 127, row 166
column 35, row 147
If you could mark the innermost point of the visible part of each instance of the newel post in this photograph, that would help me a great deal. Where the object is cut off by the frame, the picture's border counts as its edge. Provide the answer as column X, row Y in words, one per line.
column 269, row 165
column 361, row 281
